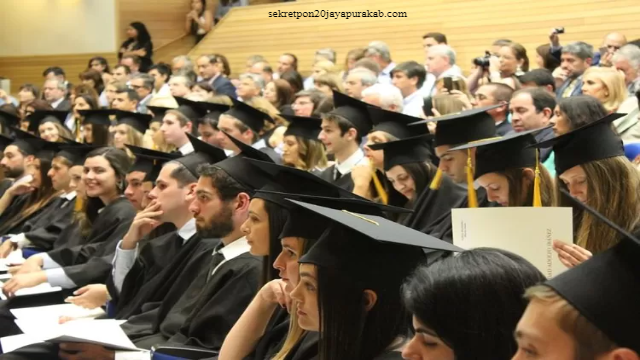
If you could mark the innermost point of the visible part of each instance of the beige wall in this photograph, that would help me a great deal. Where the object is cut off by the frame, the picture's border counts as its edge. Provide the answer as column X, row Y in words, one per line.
column 49, row 27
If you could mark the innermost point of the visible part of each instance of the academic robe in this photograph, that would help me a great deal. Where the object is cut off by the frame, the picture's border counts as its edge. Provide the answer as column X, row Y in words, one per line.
column 274, row 336
column 91, row 262
column 14, row 208
column 4, row 185
column 16, row 227
column 345, row 181
column 43, row 230
column 204, row 319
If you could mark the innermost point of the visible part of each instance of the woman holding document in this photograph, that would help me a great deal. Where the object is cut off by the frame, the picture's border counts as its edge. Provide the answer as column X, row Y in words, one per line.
column 592, row 167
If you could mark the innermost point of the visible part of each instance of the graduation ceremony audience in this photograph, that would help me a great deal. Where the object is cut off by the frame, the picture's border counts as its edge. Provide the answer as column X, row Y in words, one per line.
column 264, row 215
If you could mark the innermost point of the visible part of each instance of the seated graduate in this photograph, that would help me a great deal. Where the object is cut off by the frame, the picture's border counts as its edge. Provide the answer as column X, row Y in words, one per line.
column 17, row 154
column 130, row 129
column 409, row 170
column 301, row 147
column 588, row 312
column 277, row 334
column 95, row 126
column 27, row 200
column 208, row 124
column 467, row 306
column 41, row 231
column 352, row 297
column 244, row 123
column 70, row 267
column 453, row 130
column 342, row 131
column 591, row 165
column 510, row 171
column 49, row 125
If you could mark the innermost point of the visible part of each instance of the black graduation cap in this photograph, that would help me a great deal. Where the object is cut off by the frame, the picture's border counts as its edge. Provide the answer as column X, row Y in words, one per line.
column 150, row 161
column 97, row 117
column 191, row 109
column 395, row 123
column 249, row 115
column 410, row 150
column 138, row 121
column 158, row 112
column 27, row 143
column 41, row 116
column 5, row 141
column 203, row 153
column 467, row 126
column 499, row 154
column 215, row 108
column 248, row 150
column 606, row 288
column 8, row 119
column 304, row 127
column 247, row 174
column 369, row 248
column 353, row 110
column 309, row 225
column 75, row 152
column 591, row 142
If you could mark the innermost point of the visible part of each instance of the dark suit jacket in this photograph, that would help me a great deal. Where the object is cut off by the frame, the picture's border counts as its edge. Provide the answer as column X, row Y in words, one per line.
column 65, row 105
column 222, row 86
column 503, row 128
column 577, row 90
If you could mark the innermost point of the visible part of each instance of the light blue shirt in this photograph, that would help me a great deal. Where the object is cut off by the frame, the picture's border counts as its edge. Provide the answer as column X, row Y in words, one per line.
column 13, row 101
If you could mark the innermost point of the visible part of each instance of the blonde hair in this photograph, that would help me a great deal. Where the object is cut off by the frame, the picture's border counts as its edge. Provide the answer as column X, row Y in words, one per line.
column 614, row 83
column 609, row 181
column 221, row 99
column 311, row 154
column 164, row 101
column 63, row 132
column 327, row 66
column 331, row 80
column 134, row 137
column 590, row 342
column 447, row 104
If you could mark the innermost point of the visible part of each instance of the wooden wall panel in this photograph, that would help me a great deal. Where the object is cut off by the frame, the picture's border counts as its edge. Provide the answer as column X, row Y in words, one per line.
column 470, row 25
column 23, row 70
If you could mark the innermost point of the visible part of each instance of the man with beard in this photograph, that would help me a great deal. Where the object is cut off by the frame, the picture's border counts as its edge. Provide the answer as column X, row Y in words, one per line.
column 17, row 155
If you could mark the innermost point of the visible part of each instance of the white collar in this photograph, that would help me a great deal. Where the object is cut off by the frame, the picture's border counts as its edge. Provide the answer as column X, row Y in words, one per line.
column 57, row 102
column 387, row 70
column 69, row 196
column 353, row 160
column 186, row 149
column 187, row 230
column 234, row 249
column 259, row 144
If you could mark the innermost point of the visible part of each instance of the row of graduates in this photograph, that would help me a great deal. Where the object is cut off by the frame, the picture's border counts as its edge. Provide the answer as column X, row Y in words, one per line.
column 397, row 153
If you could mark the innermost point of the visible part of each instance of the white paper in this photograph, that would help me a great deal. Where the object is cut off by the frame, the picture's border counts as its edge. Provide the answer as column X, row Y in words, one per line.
column 10, row 343
column 14, row 258
column 35, row 290
column 526, row 231
column 54, row 312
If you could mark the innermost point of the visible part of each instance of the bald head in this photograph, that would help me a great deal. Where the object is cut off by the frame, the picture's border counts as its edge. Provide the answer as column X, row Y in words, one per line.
column 614, row 41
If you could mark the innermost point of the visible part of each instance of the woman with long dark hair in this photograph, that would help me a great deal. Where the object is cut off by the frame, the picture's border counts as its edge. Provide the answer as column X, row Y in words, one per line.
column 576, row 111
column 95, row 126
column 138, row 43
column 467, row 306
column 199, row 20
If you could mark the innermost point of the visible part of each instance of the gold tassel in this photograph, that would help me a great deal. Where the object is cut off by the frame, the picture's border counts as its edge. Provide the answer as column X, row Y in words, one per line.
column 437, row 179
column 78, row 132
column 78, row 205
column 471, row 191
column 537, row 198
column 384, row 197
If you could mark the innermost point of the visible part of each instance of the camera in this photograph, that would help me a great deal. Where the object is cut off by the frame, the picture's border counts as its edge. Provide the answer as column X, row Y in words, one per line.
column 559, row 30
column 482, row 61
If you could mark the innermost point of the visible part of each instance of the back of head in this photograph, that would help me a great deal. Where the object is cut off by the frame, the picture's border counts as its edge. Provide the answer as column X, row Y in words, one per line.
column 368, row 64
column 444, row 50
column 390, row 96
column 581, row 110
column 379, row 48
column 327, row 53
column 539, row 77
column 440, row 38
column 501, row 92
column 446, row 296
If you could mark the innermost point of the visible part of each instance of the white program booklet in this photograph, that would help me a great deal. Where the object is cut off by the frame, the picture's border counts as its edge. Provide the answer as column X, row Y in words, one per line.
column 54, row 312
column 38, row 289
column 526, row 231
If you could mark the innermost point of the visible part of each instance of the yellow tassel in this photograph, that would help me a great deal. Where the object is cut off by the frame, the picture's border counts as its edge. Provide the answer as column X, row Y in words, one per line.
column 78, row 132
column 537, row 198
column 384, row 197
column 471, row 191
column 78, row 205
column 437, row 179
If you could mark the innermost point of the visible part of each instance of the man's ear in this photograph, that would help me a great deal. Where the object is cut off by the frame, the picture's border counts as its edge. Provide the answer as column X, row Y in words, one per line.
column 548, row 113
column 621, row 354
column 242, row 201
column 191, row 192
column 589, row 61
column 370, row 299
column 351, row 134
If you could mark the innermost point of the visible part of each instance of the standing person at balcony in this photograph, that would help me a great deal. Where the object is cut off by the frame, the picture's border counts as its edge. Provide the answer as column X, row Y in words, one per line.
column 199, row 20
column 225, row 5
column 138, row 43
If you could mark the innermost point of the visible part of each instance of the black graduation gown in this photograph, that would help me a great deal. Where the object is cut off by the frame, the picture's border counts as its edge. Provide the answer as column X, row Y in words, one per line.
column 274, row 336
column 44, row 229
column 345, row 181
column 4, row 185
column 306, row 348
column 204, row 320
column 14, row 208
column 17, row 227
column 69, row 237
column 91, row 262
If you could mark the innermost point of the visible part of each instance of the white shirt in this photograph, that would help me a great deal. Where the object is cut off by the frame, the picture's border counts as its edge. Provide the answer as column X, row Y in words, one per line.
column 231, row 251
column 186, row 149
column 163, row 92
column 124, row 260
column 412, row 104
column 355, row 159
column 260, row 144
column 56, row 103
column 385, row 75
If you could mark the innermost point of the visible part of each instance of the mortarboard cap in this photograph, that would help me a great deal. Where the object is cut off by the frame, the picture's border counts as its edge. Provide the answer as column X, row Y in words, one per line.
column 606, row 288
column 203, row 153
column 138, row 121
column 150, row 161
column 191, row 109
column 26, row 142
column 248, row 150
column 5, row 141
column 215, row 108
column 75, row 152
column 370, row 248
column 245, row 173
column 410, row 150
column 158, row 112
column 395, row 123
column 464, row 127
column 8, row 119
column 39, row 117
column 354, row 110
column 249, row 115
column 97, row 117
column 499, row 154
column 304, row 127
column 591, row 142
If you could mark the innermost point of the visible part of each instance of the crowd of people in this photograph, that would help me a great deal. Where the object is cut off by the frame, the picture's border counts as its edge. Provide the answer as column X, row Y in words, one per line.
column 267, row 216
